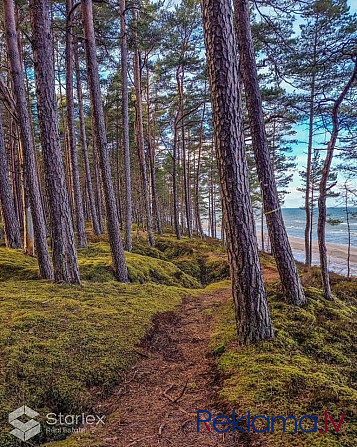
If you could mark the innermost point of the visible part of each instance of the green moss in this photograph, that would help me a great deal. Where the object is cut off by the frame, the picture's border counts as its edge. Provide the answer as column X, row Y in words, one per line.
column 58, row 342
column 217, row 269
column 174, row 248
column 143, row 269
column 309, row 367
column 63, row 345
column 95, row 265
column 16, row 266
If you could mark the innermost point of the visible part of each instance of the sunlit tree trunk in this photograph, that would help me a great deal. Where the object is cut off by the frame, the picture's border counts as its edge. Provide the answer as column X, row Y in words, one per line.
column 251, row 308
column 290, row 280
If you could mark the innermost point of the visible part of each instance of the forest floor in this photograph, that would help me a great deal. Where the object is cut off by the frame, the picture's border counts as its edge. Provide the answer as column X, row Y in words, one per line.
column 157, row 402
column 148, row 355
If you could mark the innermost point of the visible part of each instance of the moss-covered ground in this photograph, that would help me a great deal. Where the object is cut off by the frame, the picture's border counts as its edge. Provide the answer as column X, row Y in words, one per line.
column 62, row 347
column 309, row 367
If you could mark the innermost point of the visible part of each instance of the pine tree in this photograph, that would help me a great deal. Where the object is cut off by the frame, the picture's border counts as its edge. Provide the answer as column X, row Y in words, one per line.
column 35, row 215
column 11, row 224
column 116, row 245
column 252, row 314
column 282, row 252
column 65, row 262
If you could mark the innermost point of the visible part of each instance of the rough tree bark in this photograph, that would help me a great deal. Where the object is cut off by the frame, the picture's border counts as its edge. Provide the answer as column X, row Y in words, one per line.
column 78, row 202
column 251, row 308
column 98, row 185
column 64, row 250
column 83, row 135
column 281, row 248
column 11, row 223
column 323, row 189
column 125, row 113
column 35, row 216
column 116, row 245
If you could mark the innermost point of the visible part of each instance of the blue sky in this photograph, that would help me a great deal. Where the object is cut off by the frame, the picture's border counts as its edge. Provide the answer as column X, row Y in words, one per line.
column 295, row 198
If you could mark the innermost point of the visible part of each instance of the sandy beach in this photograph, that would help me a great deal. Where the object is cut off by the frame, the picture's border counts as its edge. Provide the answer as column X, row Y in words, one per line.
column 337, row 255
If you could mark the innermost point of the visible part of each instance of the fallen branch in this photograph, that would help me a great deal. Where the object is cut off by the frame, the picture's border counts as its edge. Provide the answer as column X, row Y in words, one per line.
column 174, row 400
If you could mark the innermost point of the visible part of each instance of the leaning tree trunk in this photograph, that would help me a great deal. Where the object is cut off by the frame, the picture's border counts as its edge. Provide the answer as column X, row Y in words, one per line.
column 281, row 248
column 65, row 261
column 35, row 217
column 140, row 134
column 78, row 202
column 321, row 223
column 11, row 223
column 125, row 113
column 116, row 245
column 251, row 308
column 83, row 135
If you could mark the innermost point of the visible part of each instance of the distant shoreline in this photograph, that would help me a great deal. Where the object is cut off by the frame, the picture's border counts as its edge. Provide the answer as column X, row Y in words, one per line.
column 336, row 255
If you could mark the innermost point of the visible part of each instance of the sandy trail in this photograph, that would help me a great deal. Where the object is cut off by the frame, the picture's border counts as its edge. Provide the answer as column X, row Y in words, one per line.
column 157, row 403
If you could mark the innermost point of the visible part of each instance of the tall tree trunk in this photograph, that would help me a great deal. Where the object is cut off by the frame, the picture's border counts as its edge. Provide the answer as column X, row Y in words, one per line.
column 175, row 179
column 11, row 223
column 323, row 189
column 98, row 187
column 64, row 250
column 29, row 235
column 15, row 172
column 65, row 136
column 117, row 164
column 116, row 245
column 34, row 218
column 308, row 203
column 281, row 248
column 125, row 113
column 180, row 76
column 95, row 223
column 79, row 213
column 151, row 156
column 198, row 172
column 308, row 191
column 140, row 134
column 251, row 308
column 347, row 212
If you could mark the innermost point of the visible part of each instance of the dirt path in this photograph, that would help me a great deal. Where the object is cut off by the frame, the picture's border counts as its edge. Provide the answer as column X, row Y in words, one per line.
column 157, row 404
